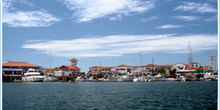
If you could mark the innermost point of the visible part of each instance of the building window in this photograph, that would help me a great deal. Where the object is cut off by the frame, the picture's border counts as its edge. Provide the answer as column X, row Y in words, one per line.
column 15, row 67
column 6, row 66
column 122, row 69
column 192, row 65
column 17, row 72
column 8, row 72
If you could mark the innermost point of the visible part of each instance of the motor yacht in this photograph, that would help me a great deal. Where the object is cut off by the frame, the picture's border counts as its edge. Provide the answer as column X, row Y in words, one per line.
column 33, row 76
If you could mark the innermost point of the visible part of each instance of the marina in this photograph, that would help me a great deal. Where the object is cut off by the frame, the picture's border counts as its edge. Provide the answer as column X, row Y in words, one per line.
column 22, row 71
column 110, row 54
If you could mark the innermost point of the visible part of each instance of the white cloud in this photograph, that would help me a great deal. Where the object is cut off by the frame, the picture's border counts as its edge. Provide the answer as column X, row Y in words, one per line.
column 87, row 10
column 213, row 18
column 118, row 45
column 187, row 18
column 169, row 26
column 148, row 19
column 114, row 18
column 197, row 7
column 17, row 18
column 32, row 41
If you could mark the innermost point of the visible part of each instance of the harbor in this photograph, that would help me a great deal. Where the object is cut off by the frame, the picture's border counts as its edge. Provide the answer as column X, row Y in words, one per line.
column 193, row 71
column 110, row 54
column 23, row 71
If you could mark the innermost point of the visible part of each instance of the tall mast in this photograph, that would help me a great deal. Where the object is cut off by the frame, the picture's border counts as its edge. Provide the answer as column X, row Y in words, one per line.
column 190, row 60
column 141, row 63
column 100, row 64
column 50, row 59
column 204, row 66
column 112, row 62
column 153, row 66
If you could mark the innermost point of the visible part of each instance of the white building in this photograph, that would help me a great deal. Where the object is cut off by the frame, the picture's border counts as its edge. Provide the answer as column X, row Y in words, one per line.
column 14, row 70
column 123, row 68
column 68, row 70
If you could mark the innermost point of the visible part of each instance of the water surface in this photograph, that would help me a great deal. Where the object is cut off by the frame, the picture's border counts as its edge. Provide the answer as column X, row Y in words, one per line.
column 109, row 95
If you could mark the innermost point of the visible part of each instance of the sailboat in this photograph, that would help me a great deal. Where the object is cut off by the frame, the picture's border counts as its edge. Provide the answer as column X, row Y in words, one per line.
column 49, row 78
column 141, row 78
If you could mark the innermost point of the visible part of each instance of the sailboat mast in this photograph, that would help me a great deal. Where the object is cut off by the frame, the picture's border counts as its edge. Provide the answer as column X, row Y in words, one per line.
column 112, row 62
column 190, row 57
column 141, row 63
column 100, row 64
column 153, row 66
column 50, row 59
column 190, row 60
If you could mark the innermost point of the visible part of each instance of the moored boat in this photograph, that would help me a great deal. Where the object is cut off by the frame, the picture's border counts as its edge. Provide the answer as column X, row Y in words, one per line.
column 210, row 76
column 50, row 79
column 33, row 76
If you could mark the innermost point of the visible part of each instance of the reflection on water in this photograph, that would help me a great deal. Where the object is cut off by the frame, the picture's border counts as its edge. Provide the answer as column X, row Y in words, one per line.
column 109, row 95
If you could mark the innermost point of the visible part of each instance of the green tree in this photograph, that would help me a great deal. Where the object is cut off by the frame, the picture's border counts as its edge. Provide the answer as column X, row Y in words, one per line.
column 161, row 70
column 83, row 73
column 100, row 75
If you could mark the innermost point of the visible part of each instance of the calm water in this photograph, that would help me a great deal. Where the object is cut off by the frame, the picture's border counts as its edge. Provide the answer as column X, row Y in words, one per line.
column 104, row 95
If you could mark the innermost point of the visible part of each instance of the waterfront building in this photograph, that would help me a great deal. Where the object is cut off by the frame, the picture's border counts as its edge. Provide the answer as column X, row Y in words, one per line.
column 14, row 70
column 137, row 69
column 49, row 71
column 68, row 70
column 123, row 69
column 176, row 69
column 99, row 69
column 194, row 67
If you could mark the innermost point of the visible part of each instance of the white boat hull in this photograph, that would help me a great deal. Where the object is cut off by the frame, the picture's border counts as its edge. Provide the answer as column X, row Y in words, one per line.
column 135, row 80
column 33, row 79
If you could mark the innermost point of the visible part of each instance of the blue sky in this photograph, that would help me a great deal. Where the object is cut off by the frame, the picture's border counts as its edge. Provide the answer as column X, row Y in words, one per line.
column 109, row 32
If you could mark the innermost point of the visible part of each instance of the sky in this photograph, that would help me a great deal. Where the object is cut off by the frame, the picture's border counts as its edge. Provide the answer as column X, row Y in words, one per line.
column 109, row 32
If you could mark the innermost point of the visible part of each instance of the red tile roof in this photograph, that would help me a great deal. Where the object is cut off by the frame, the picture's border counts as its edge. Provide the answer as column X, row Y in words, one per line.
column 151, row 65
column 73, row 59
column 24, row 64
column 123, row 65
column 70, row 67
column 202, row 67
column 165, row 65
column 206, row 67
column 49, row 70
column 195, row 63
column 194, row 68
column 102, row 67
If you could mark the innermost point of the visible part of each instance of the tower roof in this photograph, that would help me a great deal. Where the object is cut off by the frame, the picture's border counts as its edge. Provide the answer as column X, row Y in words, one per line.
column 73, row 59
